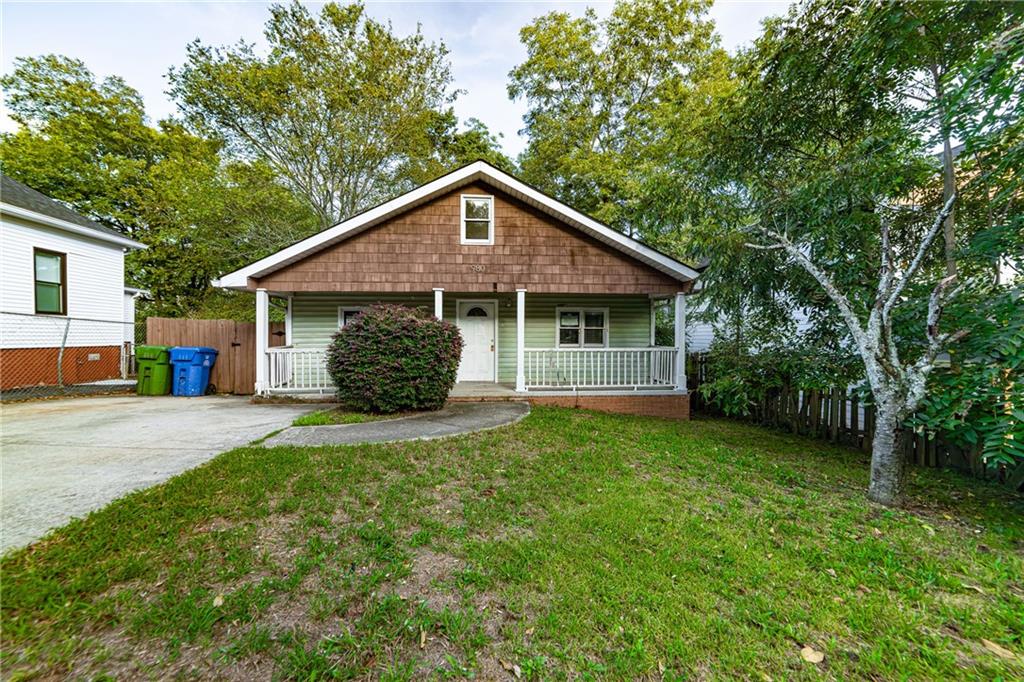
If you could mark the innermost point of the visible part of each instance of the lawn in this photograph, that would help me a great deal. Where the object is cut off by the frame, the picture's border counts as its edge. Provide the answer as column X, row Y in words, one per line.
column 339, row 415
column 570, row 545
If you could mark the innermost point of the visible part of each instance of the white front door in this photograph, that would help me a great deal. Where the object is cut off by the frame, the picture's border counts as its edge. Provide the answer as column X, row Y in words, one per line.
column 476, row 322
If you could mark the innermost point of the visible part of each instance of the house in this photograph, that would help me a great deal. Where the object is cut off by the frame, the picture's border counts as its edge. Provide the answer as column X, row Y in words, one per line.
column 552, row 305
column 64, row 309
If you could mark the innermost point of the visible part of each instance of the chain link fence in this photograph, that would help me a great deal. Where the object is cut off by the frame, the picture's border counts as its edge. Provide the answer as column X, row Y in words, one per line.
column 48, row 355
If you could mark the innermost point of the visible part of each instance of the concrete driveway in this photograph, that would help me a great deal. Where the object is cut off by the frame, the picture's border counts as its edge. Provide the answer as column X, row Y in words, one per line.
column 64, row 458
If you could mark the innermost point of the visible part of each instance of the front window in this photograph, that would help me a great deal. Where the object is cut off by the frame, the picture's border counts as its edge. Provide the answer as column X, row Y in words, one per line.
column 477, row 219
column 582, row 327
column 50, row 273
column 345, row 315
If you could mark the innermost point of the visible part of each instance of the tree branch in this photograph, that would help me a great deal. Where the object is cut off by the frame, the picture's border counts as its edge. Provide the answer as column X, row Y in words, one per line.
column 915, row 264
column 781, row 241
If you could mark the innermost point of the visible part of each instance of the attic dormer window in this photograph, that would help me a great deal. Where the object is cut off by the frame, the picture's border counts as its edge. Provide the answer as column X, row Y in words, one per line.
column 477, row 219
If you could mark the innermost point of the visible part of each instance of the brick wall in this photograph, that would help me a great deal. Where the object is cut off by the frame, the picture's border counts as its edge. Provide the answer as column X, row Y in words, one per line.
column 667, row 406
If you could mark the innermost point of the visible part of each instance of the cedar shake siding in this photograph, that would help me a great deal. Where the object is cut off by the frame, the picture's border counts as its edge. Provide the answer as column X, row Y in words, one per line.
column 420, row 249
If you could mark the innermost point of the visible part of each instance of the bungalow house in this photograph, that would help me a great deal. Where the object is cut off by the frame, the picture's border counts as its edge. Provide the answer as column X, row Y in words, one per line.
column 552, row 305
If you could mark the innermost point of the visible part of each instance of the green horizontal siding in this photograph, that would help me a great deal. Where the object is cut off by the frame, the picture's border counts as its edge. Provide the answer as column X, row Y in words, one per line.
column 315, row 318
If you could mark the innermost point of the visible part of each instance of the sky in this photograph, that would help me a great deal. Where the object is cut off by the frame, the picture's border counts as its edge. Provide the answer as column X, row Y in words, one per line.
column 140, row 41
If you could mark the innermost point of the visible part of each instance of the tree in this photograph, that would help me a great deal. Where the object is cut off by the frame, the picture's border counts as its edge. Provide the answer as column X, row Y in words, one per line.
column 79, row 141
column 341, row 109
column 475, row 142
column 920, row 48
column 819, row 155
column 600, row 94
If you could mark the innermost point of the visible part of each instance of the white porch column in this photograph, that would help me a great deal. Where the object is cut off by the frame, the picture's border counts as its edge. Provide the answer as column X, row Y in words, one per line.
column 439, row 303
column 262, row 340
column 520, row 340
column 288, row 323
column 680, row 338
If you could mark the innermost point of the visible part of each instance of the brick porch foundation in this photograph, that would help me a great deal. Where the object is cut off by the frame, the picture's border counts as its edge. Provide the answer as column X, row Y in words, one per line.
column 667, row 406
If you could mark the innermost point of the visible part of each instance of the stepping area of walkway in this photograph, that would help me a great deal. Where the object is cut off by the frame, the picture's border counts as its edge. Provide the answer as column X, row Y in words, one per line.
column 454, row 419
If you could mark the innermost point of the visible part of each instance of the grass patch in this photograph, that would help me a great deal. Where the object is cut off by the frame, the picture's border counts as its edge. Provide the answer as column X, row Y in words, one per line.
column 569, row 545
column 341, row 416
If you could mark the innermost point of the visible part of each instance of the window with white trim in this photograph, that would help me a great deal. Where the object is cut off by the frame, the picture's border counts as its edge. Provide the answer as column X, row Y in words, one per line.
column 345, row 314
column 477, row 219
column 582, row 327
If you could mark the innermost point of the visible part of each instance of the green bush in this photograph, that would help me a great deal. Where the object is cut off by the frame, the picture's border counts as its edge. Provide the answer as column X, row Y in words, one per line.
column 392, row 359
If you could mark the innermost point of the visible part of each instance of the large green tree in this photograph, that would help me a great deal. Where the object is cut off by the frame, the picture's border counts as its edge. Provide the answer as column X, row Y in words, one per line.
column 601, row 94
column 343, row 110
column 827, row 197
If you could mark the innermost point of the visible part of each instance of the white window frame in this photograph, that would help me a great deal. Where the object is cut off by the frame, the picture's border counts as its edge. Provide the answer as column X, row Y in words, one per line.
column 490, row 222
column 581, row 311
column 348, row 309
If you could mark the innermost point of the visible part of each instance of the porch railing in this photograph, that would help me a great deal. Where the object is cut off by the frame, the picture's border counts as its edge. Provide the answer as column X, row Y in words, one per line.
column 600, row 368
column 298, row 370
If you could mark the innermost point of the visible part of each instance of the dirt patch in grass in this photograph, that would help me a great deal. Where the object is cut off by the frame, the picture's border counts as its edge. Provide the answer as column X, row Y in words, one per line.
column 428, row 571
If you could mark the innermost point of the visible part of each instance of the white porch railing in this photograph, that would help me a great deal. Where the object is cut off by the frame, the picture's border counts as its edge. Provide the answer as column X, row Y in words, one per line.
column 298, row 370
column 600, row 368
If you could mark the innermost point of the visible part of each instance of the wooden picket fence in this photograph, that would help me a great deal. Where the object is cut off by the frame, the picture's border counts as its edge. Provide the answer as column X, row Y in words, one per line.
column 838, row 416
column 235, row 368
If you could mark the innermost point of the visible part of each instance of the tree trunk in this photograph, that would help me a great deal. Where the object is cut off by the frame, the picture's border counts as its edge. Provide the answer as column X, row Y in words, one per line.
column 888, row 464
column 948, row 172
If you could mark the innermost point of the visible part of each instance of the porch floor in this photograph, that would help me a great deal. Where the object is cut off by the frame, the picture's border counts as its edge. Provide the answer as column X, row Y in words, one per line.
column 478, row 390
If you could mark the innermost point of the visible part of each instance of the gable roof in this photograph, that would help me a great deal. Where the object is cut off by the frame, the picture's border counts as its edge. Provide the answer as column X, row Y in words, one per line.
column 476, row 171
column 22, row 201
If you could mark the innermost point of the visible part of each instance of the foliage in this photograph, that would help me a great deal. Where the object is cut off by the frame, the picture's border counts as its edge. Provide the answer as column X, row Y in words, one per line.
column 344, row 111
column 476, row 142
column 823, row 148
column 605, row 99
column 740, row 377
column 978, row 400
column 391, row 358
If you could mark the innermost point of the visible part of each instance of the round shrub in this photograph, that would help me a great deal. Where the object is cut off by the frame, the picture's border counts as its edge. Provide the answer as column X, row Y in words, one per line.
column 391, row 358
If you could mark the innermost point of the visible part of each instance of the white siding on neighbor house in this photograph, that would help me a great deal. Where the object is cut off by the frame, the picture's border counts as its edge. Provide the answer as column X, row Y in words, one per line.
column 700, row 335
column 95, row 288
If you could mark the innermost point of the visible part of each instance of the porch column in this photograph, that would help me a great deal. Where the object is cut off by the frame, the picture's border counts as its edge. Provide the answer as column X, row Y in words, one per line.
column 520, row 340
column 439, row 303
column 288, row 323
column 680, row 334
column 262, row 338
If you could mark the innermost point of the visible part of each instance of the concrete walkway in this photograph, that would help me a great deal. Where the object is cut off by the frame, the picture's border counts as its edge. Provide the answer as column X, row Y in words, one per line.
column 65, row 458
column 454, row 419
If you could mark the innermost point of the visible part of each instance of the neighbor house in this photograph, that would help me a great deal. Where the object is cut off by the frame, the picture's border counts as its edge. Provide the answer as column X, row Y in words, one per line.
column 65, row 314
column 552, row 304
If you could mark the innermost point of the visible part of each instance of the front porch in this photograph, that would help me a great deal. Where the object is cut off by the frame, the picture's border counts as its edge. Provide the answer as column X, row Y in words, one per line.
column 517, row 345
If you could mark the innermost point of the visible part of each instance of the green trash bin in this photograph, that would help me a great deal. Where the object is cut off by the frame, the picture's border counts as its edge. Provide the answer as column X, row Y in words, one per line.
column 154, row 370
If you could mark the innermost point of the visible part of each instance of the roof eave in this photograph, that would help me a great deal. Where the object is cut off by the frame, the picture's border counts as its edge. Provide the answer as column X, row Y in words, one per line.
column 50, row 221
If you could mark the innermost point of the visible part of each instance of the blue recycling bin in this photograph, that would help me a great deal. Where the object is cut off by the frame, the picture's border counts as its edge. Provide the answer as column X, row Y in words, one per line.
column 191, row 369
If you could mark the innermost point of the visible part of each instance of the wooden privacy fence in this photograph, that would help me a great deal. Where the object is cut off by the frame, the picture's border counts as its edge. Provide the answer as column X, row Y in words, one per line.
column 838, row 416
column 235, row 369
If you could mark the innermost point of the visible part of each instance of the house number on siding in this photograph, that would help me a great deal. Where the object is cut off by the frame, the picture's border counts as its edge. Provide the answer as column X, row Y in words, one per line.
column 477, row 268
